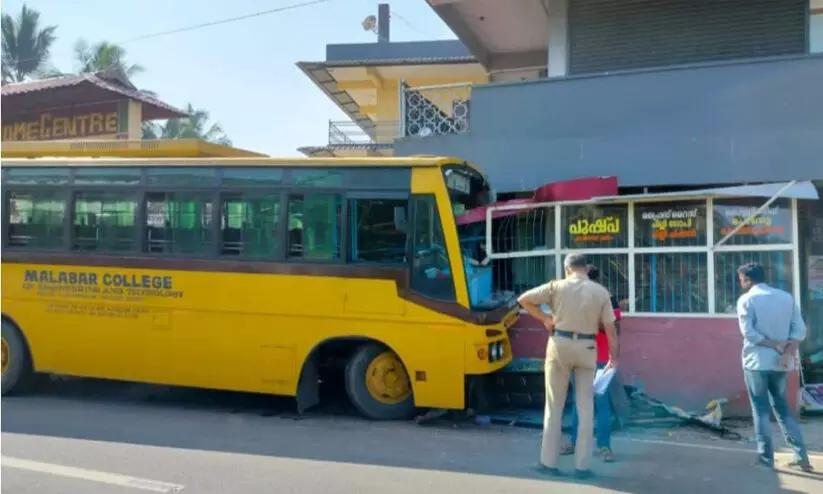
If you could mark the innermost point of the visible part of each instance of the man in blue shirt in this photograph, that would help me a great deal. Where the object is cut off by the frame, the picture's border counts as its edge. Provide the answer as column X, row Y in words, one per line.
column 772, row 332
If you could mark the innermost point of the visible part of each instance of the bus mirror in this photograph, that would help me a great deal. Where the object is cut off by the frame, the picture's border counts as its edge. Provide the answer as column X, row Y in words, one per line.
column 400, row 218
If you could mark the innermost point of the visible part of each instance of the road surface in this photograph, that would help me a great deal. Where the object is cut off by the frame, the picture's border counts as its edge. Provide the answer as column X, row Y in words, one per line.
column 84, row 438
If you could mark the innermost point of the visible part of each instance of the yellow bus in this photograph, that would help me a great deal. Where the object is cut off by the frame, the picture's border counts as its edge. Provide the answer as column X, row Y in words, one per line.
column 250, row 274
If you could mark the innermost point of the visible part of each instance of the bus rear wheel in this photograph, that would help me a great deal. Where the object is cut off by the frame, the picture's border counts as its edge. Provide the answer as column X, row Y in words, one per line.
column 378, row 384
column 16, row 364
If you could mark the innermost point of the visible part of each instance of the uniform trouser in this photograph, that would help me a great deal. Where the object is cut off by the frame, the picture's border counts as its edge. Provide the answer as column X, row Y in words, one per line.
column 566, row 357
column 602, row 418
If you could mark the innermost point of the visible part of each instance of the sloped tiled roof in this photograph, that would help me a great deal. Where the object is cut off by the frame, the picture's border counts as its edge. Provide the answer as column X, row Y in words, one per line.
column 107, row 81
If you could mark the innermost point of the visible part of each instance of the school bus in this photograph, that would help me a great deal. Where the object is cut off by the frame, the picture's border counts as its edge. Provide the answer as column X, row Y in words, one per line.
column 249, row 274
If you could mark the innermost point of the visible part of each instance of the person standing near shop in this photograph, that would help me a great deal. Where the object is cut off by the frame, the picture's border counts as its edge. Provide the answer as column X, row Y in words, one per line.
column 602, row 402
column 579, row 307
column 772, row 330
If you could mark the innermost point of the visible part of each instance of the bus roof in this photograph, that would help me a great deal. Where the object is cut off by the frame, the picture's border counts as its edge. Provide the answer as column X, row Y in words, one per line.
column 200, row 161
column 149, row 148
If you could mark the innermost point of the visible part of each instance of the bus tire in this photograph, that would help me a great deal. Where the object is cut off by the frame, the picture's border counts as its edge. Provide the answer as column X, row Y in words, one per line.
column 378, row 384
column 16, row 362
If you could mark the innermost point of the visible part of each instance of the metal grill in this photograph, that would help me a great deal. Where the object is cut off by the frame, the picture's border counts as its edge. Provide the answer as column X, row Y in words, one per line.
column 347, row 133
column 435, row 110
column 522, row 248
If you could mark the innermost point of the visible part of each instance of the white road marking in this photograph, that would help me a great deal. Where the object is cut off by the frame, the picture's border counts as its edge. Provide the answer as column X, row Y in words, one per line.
column 701, row 446
column 91, row 475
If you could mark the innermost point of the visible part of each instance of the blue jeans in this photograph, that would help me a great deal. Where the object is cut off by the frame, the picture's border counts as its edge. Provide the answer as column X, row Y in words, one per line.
column 767, row 392
column 602, row 418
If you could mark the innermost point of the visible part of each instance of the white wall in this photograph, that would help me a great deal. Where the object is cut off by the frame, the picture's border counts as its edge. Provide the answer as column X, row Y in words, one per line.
column 558, row 37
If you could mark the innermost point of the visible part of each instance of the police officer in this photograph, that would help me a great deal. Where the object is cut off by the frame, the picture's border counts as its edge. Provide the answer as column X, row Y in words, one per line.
column 578, row 307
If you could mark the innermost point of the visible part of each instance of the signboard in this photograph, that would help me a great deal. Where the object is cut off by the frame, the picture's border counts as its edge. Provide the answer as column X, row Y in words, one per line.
column 670, row 224
column 600, row 230
column 773, row 225
column 595, row 226
column 67, row 123
column 811, row 398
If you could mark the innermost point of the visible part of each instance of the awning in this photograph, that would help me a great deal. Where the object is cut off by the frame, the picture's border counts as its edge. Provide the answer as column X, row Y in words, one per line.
column 771, row 191
column 786, row 190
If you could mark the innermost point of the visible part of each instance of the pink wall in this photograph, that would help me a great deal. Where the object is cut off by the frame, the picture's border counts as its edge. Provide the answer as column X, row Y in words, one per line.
column 682, row 361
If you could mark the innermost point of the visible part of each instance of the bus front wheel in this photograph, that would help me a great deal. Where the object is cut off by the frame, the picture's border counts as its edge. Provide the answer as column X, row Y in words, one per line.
column 378, row 385
column 16, row 364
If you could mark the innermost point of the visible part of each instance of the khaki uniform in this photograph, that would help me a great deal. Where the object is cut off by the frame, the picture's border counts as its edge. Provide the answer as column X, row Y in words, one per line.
column 578, row 306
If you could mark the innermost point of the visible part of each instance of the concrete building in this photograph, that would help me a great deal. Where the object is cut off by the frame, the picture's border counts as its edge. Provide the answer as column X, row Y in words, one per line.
column 708, row 114
column 668, row 96
column 366, row 81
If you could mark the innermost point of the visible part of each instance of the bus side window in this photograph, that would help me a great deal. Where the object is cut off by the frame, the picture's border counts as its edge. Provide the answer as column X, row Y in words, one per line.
column 377, row 230
column 36, row 219
column 431, row 272
column 178, row 222
column 314, row 226
column 249, row 224
column 104, row 221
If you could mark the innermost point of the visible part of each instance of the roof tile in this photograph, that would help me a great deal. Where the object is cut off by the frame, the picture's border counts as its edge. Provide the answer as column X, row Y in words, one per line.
column 113, row 82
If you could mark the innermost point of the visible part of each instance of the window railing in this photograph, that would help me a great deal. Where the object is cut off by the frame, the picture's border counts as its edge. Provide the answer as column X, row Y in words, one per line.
column 434, row 110
column 658, row 258
column 348, row 133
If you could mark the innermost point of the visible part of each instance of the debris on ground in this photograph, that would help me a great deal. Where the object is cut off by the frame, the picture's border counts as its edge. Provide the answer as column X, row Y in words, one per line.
column 711, row 418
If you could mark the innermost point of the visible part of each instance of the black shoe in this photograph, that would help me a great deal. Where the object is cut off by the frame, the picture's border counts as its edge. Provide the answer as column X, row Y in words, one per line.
column 550, row 471
column 803, row 466
column 583, row 474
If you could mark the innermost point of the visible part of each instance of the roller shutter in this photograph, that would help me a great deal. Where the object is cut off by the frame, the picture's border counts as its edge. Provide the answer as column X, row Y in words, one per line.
column 609, row 35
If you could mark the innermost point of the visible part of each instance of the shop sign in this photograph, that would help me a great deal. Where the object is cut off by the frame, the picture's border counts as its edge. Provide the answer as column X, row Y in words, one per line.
column 602, row 229
column 672, row 223
column 101, row 120
column 766, row 223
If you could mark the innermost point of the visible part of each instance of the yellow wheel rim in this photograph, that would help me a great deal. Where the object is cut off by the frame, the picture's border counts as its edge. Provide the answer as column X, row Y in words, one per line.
column 387, row 380
column 6, row 359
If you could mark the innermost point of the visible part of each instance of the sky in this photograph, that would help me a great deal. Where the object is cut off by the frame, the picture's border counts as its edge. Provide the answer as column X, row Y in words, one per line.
column 243, row 72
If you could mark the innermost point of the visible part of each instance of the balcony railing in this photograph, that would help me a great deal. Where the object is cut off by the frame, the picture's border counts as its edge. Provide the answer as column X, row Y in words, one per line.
column 435, row 110
column 348, row 133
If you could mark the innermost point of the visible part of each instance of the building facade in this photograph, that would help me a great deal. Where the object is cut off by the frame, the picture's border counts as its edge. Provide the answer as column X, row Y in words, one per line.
column 99, row 106
column 668, row 97
column 368, row 81
column 707, row 114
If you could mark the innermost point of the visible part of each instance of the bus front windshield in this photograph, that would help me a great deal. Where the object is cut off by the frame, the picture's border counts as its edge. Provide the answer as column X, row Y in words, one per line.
column 469, row 192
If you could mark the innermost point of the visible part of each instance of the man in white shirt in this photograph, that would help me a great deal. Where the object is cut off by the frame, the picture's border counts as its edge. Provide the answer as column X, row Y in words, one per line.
column 772, row 329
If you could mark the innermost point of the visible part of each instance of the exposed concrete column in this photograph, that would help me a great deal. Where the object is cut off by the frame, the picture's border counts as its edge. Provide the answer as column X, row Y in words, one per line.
column 135, row 120
column 558, row 49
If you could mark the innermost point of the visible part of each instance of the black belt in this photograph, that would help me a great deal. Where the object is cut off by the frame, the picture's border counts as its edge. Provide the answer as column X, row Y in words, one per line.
column 572, row 335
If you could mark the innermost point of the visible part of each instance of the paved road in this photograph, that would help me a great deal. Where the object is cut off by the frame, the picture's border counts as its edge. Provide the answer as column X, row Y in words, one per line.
column 116, row 439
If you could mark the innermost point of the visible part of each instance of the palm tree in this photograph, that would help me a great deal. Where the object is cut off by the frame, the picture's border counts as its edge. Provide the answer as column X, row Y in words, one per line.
column 103, row 56
column 26, row 46
column 195, row 126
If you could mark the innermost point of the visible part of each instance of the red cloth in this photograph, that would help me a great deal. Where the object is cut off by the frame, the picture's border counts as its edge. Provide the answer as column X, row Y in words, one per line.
column 602, row 342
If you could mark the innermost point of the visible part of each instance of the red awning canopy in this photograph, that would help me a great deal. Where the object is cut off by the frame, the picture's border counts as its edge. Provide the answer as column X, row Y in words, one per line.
column 581, row 189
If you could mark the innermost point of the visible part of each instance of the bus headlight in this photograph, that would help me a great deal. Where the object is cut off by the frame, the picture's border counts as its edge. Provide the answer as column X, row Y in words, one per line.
column 496, row 351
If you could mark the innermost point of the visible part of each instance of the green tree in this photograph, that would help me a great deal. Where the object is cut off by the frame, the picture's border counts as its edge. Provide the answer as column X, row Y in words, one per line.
column 103, row 56
column 195, row 126
column 26, row 46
